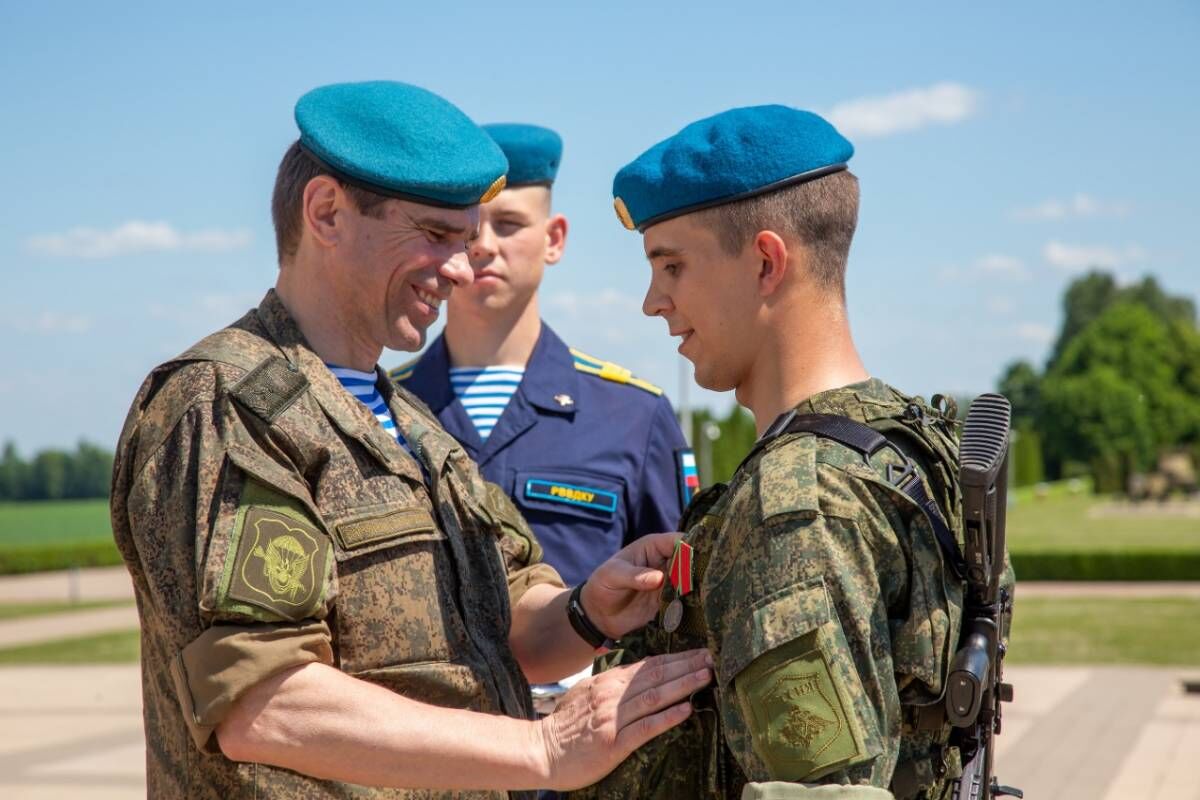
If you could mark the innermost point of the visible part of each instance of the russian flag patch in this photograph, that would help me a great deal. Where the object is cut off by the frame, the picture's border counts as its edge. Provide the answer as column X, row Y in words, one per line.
column 689, row 476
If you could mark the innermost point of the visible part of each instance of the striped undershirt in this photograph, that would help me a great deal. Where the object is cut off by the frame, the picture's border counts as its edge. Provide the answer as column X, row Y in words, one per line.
column 362, row 386
column 485, row 392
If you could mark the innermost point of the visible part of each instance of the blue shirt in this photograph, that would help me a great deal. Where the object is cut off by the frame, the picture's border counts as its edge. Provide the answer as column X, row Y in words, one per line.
column 485, row 392
column 593, row 457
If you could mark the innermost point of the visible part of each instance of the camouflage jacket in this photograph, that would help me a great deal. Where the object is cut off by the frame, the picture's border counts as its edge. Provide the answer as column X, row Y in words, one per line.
column 269, row 521
column 821, row 591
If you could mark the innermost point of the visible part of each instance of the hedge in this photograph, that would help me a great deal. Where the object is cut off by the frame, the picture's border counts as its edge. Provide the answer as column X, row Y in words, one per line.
column 1125, row 565
column 42, row 558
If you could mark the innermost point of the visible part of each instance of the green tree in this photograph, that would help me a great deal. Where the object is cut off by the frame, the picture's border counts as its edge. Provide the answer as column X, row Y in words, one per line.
column 48, row 475
column 1021, row 384
column 13, row 473
column 89, row 472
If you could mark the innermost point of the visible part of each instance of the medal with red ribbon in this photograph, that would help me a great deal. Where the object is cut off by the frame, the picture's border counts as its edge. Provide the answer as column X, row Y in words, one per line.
column 680, row 574
column 681, row 568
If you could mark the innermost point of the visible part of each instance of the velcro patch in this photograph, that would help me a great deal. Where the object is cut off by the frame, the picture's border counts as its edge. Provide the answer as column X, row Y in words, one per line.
column 270, row 388
column 363, row 532
column 689, row 476
column 800, row 725
column 572, row 494
column 280, row 564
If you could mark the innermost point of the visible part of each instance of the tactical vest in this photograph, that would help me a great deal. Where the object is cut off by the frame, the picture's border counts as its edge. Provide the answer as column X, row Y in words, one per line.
column 925, row 438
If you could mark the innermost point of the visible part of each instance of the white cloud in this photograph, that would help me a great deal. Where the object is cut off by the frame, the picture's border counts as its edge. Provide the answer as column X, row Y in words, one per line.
column 1076, row 258
column 991, row 266
column 207, row 310
column 1081, row 205
column 1002, row 265
column 1000, row 305
column 135, row 237
column 940, row 104
column 51, row 322
column 1034, row 332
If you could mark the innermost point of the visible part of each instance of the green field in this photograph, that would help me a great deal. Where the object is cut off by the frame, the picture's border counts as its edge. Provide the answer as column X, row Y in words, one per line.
column 121, row 647
column 18, row 610
column 1105, row 630
column 37, row 536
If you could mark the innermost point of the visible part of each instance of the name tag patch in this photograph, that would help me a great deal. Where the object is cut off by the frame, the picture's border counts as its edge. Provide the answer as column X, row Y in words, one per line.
column 571, row 494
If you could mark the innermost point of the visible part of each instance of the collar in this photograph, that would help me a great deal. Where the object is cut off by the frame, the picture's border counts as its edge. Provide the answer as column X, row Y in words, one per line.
column 551, row 382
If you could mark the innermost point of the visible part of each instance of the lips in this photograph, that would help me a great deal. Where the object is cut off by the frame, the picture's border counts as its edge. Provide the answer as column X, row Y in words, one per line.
column 432, row 300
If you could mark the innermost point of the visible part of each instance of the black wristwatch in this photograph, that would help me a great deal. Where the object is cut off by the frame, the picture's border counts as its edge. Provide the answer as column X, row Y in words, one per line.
column 586, row 629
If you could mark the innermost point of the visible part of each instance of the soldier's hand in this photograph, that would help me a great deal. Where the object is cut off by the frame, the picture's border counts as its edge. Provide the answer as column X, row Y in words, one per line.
column 622, row 594
column 603, row 719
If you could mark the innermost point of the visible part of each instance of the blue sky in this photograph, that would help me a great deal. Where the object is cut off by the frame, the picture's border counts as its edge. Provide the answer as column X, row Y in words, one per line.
column 1001, row 150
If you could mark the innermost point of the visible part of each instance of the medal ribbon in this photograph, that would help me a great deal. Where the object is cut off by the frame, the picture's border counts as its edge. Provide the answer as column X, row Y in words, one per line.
column 681, row 568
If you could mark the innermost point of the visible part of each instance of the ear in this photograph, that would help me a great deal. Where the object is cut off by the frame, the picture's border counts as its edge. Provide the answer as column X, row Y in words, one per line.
column 772, row 253
column 323, row 198
column 556, row 238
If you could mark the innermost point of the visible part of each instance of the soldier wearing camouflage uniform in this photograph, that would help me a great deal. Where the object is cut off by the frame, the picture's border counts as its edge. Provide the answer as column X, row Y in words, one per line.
column 818, row 585
column 330, row 596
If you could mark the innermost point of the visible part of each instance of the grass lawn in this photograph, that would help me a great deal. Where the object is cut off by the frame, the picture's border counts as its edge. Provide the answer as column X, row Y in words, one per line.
column 38, row 536
column 58, row 522
column 17, row 610
column 1105, row 630
column 121, row 647
column 1063, row 523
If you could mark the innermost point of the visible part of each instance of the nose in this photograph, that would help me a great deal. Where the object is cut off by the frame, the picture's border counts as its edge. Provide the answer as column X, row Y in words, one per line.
column 656, row 303
column 484, row 247
column 457, row 270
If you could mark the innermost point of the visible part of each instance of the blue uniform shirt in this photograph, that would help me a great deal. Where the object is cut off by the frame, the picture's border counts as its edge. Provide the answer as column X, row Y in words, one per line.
column 592, row 456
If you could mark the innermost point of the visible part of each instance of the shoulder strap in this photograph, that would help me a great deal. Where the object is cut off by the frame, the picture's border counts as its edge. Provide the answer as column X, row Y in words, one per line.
column 867, row 441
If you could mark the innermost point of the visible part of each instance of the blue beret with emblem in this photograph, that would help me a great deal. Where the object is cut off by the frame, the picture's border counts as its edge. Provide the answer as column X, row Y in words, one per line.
column 400, row 141
column 533, row 152
column 733, row 155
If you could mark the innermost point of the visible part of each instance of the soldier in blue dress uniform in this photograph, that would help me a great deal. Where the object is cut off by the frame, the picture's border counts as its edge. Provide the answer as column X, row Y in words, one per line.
column 592, row 456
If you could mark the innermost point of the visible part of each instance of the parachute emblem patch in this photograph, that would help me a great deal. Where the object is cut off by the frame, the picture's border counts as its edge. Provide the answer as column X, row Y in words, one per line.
column 280, row 564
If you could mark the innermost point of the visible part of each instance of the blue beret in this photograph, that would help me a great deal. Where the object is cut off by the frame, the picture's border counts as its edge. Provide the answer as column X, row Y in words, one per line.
column 400, row 141
column 731, row 156
column 533, row 152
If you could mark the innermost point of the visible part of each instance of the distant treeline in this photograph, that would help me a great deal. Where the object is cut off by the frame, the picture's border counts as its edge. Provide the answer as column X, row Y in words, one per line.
column 55, row 474
column 1120, row 388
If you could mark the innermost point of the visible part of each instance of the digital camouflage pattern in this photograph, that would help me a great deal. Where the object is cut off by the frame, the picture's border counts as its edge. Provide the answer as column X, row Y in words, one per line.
column 269, row 521
column 832, row 618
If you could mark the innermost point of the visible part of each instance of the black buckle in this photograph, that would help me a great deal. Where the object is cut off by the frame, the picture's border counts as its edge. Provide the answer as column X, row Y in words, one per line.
column 900, row 475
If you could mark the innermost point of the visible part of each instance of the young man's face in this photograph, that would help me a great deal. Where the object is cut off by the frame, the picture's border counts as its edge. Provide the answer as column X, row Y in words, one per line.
column 399, row 268
column 706, row 297
column 518, row 236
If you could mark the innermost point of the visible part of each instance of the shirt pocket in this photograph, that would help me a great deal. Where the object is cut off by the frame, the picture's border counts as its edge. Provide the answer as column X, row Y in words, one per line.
column 396, row 602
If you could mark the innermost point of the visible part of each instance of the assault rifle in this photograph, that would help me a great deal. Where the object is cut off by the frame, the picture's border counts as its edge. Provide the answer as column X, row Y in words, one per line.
column 976, row 686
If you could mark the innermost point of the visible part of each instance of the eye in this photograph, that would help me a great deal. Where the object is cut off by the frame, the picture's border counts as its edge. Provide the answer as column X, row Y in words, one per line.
column 508, row 227
column 672, row 268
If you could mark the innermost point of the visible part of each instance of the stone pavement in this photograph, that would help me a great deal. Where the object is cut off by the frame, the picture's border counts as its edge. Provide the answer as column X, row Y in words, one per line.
column 1075, row 733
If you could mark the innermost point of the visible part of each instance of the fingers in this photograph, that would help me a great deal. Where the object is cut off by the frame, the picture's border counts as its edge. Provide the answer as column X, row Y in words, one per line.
column 658, row 547
column 658, row 670
column 659, row 686
column 618, row 574
column 631, row 737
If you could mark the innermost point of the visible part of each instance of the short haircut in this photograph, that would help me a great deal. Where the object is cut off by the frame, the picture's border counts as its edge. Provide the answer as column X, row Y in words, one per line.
column 295, row 171
column 821, row 214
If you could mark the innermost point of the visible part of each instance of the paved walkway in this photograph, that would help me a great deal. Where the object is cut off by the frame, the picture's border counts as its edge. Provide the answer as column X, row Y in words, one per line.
column 98, row 583
column 1073, row 734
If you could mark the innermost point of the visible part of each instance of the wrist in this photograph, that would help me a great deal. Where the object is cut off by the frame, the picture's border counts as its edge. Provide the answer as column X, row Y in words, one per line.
column 583, row 623
column 538, row 760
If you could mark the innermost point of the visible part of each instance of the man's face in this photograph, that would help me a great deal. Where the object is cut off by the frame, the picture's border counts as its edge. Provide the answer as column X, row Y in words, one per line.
column 399, row 268
column 706, row 297
column 517, row 238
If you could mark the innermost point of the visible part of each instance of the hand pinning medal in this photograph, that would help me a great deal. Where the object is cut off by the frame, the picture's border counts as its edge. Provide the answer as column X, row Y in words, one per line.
column 680, row 575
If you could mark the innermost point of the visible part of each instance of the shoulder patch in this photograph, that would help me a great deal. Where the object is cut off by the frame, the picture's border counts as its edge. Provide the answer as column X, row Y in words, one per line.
column 404, row 371
column 611, row 372
column 787, row 477
column 279, row 562
column 270, row 388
